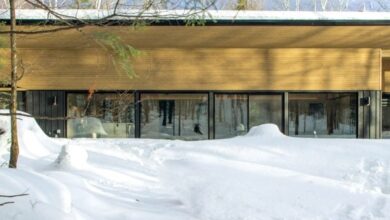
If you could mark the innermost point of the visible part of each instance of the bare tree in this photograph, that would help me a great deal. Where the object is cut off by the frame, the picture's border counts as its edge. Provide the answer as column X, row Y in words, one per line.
column 286, row 4
column 343, row 5
column 324, row 4
column 146, row 12
column 282, row 5
column 246, row 5
column 13, row 104
column 383, row 4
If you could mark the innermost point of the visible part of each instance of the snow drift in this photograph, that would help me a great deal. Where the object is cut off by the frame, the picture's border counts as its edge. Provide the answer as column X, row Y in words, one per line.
column 263, row 175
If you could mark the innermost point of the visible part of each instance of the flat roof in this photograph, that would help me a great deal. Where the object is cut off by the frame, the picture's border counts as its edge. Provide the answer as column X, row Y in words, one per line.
column 225, row 29
column 211, row 17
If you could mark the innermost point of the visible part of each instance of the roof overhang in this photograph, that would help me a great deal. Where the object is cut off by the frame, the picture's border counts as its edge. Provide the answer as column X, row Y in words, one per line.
column 225, row 29
column 217, row 37
column 210, row 17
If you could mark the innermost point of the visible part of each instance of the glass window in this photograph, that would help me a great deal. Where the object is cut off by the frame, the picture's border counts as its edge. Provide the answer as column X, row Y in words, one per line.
column 265, row 109
column 386, row 116
column 323, row 115
column 231, row 115
column 5, row 98
column 174, row 116
column 100, row 115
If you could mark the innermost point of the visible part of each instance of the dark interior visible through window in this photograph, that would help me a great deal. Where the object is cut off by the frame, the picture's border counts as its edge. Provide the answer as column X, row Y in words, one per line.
column 323, row 115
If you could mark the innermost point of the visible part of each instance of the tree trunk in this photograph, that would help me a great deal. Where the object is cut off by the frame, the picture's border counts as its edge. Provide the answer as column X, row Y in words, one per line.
column 13, row 105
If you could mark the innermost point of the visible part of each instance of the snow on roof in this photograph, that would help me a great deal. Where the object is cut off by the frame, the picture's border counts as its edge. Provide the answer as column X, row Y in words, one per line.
column 221, row 15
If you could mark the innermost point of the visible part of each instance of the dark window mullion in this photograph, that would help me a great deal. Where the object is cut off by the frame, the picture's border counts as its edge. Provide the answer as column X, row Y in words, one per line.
column 247, row 113
column 138, row 115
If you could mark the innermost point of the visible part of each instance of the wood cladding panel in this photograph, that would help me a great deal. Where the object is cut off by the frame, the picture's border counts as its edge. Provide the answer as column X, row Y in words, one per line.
column 216, row 37
column 205, row 69
column 386, row 54
column 386, row 75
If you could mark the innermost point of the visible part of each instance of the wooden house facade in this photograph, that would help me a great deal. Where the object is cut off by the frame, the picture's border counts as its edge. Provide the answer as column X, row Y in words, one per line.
column 313, row 77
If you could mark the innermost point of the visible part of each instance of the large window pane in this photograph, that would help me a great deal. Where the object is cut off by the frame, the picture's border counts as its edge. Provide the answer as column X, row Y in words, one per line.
column 265, row 109
column 174, row 116
column 231, row 117
column 5, row 98
column 323, row 115
column 101, row 115
column 386, row 116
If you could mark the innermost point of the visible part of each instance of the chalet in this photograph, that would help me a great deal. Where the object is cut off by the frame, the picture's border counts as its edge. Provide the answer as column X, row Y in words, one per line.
column 313, row 74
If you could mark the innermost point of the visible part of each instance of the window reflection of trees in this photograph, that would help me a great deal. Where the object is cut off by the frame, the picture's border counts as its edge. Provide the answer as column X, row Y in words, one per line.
column 235, row 112
column 323, row 114
column 174, row 116
column 105, row 115
column 231, row 110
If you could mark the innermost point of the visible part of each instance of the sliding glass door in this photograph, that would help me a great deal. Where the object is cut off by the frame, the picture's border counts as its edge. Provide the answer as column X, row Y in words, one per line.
column 100, row 115
column 174, row 116
column 266, row 109
column 323, row 114
column 231, row 115
column 235, row 114
column 186, row 116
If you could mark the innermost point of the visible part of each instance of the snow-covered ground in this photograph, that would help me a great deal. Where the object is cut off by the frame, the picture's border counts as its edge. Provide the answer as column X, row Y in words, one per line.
column 263, row 175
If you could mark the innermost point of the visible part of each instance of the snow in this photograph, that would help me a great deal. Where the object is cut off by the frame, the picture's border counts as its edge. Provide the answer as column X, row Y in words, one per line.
column 268, row 130
column 262, row 175
column 215, row 15
column 72, row 156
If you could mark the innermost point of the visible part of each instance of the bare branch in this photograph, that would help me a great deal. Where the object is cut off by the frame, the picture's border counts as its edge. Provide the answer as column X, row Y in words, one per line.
column 324, row 4
column 44, row 31
column 5, row 203
column 13, row 196
column 116, row 6
column 40, row 4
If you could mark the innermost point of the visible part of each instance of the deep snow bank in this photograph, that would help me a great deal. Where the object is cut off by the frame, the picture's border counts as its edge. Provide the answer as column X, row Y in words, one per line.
column 266, row 175
column 32, row 139
column 263, row 175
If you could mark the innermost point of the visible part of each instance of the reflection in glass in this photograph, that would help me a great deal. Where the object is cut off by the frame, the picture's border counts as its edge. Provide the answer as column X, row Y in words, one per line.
column 100, row 115
column 323, row 115
column 386, row 116
column 265, row 109
column 5, row 98
column 174, row 116
column 231, row 117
